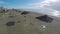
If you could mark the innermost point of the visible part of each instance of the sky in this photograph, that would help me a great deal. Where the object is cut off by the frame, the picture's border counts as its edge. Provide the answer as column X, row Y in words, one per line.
column 51, row 7
column 17, row 3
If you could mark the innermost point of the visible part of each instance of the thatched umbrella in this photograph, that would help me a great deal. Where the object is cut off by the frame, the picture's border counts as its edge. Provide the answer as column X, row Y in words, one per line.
column 11, row 23
column 45, row 18
column 10, row 26
column 24, row 13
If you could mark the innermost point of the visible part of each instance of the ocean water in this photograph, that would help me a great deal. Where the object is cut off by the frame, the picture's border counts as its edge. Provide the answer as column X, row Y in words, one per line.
column 47, row 11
